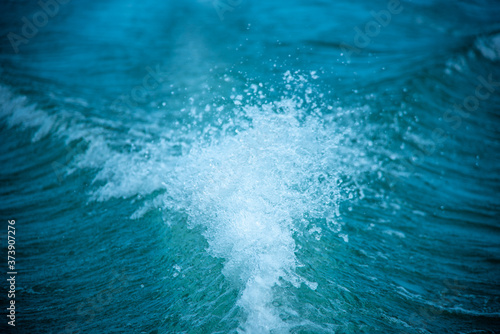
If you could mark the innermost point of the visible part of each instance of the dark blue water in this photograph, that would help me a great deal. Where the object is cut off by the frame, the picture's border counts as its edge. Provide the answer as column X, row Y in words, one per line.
column 251, row 166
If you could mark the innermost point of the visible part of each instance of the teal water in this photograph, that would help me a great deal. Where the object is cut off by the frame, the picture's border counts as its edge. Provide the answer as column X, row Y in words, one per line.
column 252, row 167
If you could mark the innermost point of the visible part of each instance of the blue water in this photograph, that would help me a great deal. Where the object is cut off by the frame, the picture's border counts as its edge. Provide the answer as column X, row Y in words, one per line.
column 251, row 166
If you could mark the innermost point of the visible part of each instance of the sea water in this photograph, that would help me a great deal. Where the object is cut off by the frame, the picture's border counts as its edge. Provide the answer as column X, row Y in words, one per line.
column 252, row 166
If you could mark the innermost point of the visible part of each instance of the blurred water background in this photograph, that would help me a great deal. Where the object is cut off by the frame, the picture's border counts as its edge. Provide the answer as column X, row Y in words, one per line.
column 252, row 166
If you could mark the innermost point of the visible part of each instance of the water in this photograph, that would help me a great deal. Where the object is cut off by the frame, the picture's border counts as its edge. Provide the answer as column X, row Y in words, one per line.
column 252, row 167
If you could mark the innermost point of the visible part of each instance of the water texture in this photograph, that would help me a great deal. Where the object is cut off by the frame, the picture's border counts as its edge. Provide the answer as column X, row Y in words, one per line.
column 251, row 166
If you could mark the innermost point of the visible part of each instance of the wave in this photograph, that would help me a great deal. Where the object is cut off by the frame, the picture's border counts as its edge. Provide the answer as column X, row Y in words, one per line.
column 252, row 182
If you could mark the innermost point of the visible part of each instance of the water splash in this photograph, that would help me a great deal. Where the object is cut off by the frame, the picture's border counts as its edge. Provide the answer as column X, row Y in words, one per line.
column 251, row 192
column 253, row 182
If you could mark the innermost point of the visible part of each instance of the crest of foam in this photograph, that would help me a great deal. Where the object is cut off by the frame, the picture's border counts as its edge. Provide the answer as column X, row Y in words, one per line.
column 251, row 183
column 250, row 192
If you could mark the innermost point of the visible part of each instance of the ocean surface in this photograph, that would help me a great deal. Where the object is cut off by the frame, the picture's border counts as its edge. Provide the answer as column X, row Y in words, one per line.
column 237, row 166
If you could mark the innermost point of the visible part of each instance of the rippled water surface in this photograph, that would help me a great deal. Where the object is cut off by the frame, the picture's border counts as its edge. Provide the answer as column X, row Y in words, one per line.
column 252, row 166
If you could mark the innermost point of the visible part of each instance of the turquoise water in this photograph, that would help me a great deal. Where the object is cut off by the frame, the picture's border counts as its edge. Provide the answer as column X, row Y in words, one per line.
column 251, row 167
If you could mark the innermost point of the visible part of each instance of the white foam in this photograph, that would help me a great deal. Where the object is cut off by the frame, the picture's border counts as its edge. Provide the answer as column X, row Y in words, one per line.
column 250, row 192
column 249, row 183
column 17, row 111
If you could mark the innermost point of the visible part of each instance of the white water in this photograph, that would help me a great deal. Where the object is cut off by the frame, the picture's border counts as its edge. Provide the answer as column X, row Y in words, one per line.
column 250, row 192
column 252, row 184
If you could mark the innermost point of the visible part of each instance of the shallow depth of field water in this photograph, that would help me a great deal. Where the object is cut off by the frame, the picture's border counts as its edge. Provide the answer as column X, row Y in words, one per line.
column 252, row 166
